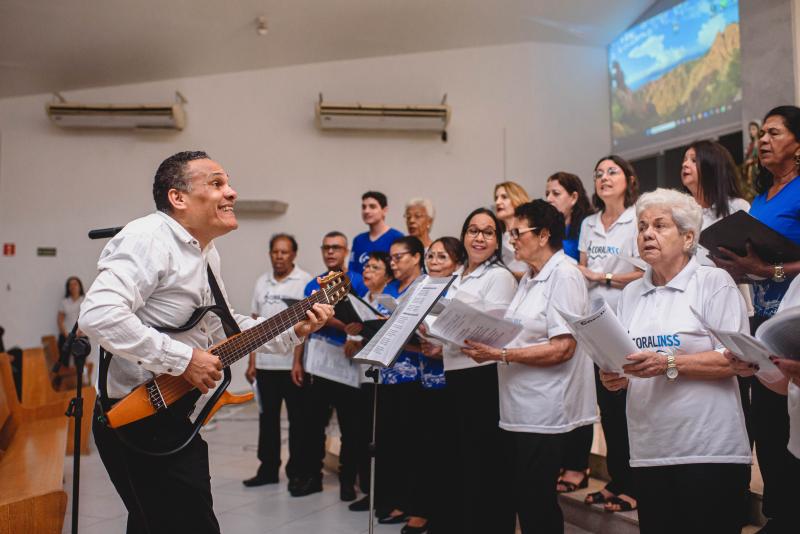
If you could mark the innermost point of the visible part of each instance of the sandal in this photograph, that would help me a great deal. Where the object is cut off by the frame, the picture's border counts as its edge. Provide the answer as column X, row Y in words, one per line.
column 569, row 487
column 624, row 506
column 597, row 497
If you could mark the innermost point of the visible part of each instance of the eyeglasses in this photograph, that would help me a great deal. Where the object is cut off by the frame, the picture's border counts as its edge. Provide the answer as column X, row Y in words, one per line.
column 611, row 172
column 398, row 256
column 441, row 256
column 516, row 232
column 331, row 248
column 374, row 267
column 488, row 233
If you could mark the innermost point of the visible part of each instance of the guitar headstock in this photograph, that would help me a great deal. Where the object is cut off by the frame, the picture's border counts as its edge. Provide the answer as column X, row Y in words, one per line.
column 335, row 285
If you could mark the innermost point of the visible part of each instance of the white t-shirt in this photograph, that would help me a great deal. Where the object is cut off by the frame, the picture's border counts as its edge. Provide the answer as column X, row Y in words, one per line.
column 603, row 250
column 689, row 420
column 71, row 309
column 517, row 266
column 490, row 285
column 269, row 298
column 791, row 299
column 559, row 398
column 709, row 218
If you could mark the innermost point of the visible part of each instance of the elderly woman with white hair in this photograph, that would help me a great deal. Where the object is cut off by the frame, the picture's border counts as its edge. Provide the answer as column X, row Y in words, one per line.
column 688, row 443
column 419, row 219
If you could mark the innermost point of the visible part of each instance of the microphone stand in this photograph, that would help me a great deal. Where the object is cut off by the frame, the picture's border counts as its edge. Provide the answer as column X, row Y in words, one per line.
column 80, row 349
column 374, row 374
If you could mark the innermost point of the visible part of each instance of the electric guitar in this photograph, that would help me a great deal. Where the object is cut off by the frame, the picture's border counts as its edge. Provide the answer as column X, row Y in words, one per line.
column 168, row 392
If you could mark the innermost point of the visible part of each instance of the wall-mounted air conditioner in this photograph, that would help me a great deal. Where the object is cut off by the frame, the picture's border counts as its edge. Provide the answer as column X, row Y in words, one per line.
column 433, row 118
column 169, row 116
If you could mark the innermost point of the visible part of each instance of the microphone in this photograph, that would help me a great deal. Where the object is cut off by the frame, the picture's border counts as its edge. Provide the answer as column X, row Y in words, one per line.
column 103, row 233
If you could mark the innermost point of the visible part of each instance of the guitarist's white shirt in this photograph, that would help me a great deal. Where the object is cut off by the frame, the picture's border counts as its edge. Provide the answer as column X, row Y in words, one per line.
column 151, row 274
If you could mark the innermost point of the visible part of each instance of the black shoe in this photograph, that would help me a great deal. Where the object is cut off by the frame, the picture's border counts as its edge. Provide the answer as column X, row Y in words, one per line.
column 361, row 505
column 347, row 493
column 307, row 486
column 260, row 480
column 393, row 519
column 294, row 482
column 415, row 530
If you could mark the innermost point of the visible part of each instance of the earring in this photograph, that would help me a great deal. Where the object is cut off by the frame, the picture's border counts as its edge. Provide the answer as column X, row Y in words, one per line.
column 797, row 160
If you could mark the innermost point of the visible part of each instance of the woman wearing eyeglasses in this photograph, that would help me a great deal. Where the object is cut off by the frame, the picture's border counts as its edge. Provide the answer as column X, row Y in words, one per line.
column 398, row 397
column 471, row 396
column 607, row 242
column 546, row 386
column 425, row 508
column 377, row 274
column 565, row 191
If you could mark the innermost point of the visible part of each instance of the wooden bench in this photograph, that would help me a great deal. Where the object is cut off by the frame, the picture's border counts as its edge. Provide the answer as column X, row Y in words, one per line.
column 64, row 379
column 37, row 390
column 32, row 442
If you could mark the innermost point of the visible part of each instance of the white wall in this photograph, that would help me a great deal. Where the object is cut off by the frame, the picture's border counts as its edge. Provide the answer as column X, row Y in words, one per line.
column 551, row 100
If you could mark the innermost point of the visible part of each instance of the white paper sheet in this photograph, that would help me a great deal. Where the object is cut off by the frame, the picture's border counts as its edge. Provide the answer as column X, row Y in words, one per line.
column 602, row 336
column 781, row 333
column 746, row 348
column 460, row 321
column 364, row 311
column 415, row 304
column 326, row 359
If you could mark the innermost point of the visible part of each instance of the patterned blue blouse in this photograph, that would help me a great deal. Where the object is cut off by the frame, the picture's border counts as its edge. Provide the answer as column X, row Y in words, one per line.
column 406, row 367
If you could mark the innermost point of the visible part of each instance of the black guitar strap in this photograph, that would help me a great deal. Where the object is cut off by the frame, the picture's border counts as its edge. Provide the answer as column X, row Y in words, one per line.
column 229, row 326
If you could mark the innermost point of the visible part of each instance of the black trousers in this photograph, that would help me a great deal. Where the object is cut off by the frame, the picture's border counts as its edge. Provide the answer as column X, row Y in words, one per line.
column 397, row 444
column 474, row 461
column 690, row 498
column 533, row 463
column 275, row 388
column 162, row 494
column 427, row 482
column 318, row 397
column 577, row 447
column 615, row 428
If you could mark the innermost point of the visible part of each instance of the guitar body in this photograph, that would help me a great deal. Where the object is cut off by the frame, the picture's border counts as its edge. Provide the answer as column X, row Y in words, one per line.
column 154, row 417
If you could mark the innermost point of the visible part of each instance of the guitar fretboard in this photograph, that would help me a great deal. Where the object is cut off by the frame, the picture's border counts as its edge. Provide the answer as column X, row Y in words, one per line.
column 238, row 346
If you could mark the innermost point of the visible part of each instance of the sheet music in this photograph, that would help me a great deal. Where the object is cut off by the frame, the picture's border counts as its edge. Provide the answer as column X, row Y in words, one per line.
column 781, row 333
column 602, row 335
column 326, row 359
column 746, row 348
column 460, row 321
column 364, row 310
column 388, row 342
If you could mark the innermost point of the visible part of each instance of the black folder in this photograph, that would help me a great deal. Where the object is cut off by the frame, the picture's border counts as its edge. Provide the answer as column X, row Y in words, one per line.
column 735, row 230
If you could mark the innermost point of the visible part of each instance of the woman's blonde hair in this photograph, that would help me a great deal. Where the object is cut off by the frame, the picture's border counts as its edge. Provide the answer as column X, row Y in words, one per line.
column 516, row 193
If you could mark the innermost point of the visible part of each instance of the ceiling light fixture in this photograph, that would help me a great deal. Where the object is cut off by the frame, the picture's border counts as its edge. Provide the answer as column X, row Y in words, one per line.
column 261, row 25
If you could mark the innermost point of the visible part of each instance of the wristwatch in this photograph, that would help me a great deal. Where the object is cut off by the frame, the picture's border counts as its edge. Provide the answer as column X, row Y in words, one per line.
column 672, row 369
column 609, row 276
column 504, row 354
column 779, row 275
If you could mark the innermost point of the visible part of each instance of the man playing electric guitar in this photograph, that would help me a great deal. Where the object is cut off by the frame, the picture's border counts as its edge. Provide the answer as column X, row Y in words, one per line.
column 154, row 274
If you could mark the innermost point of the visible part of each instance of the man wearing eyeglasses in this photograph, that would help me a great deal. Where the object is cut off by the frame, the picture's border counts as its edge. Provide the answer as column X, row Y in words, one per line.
column 319, row 395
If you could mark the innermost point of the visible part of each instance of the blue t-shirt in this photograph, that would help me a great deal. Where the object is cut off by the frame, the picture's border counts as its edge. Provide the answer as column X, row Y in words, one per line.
column 363, row 245
column 571, row 246
column 406, row 367
column 357, row 287
column 782, row 214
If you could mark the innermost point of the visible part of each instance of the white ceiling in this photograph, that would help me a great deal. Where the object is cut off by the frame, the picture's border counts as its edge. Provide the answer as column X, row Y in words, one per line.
column 57, row 45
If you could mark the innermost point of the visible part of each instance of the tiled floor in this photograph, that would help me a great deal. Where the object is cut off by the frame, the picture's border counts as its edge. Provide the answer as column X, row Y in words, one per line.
column 268, row 509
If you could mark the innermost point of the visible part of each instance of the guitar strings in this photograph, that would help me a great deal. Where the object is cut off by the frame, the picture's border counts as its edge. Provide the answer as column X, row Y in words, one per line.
column 232, row 350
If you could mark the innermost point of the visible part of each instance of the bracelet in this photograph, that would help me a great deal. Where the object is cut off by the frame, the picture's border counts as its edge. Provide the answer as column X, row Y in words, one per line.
column 504, row 353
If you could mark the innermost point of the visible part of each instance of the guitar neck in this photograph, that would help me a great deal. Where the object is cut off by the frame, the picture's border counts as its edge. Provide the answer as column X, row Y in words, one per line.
column 238, row 346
